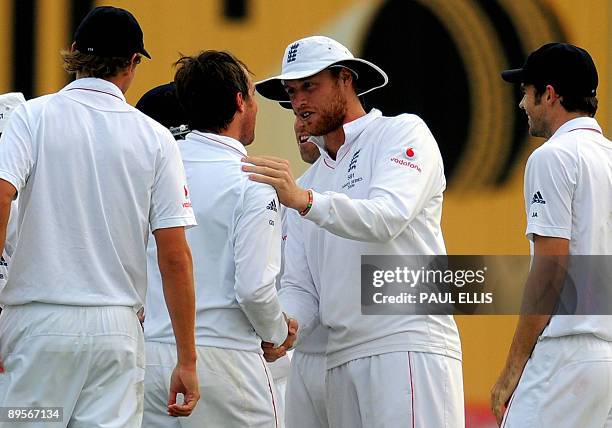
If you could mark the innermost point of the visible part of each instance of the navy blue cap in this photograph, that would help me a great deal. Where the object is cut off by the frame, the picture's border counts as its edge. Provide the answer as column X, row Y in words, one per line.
column 110, row 32
column 568, row 68
column 162, row 105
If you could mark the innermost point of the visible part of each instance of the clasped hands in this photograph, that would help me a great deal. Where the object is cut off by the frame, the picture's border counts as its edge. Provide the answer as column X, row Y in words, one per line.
column 271, row 353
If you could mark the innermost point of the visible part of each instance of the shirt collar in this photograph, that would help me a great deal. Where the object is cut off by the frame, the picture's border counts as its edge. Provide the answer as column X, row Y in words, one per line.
column 222, row 141
column 587, row 123
column 96, row 85
column 353, row 129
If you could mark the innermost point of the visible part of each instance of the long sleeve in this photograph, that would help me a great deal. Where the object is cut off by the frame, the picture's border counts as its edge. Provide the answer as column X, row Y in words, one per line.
column 299, row 296
column 407, row 172
column 257, row 240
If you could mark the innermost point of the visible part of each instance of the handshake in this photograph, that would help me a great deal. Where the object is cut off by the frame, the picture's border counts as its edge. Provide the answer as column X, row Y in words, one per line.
column 271, row 353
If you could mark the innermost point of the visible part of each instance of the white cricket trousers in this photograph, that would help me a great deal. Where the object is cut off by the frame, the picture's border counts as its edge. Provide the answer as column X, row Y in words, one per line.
column 305, row 396
column 567, row 383
column 87, row 360
column 279, row 370
column 399, row 389
column 236, row 389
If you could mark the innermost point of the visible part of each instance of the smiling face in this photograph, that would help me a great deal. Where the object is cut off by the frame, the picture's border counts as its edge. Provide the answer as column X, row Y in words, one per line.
column 536, row 112
column 319, row 101
column 309, row 151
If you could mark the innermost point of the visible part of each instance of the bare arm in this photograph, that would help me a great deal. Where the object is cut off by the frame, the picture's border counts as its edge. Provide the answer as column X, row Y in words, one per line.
column 541, row 293
column 175, row 266
column 7, row 193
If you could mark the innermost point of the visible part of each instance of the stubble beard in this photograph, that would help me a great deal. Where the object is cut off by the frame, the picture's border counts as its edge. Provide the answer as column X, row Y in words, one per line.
column 332, row 117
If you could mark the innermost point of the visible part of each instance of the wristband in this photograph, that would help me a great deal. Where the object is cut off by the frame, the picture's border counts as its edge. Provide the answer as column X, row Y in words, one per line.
column 309, row 206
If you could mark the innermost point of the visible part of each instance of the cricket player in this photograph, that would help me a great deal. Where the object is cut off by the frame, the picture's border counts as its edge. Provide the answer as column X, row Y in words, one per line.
column 384, row 371
column 8, row 102
column 305, row 395
column 236, row 251
column 559, row 368
column 93, row 174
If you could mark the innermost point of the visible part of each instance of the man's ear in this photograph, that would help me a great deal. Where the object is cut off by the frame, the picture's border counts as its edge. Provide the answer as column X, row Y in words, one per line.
column 135, row 60
column 239, row 102
column 73, row 47
column 346, row 76
column 551, row 93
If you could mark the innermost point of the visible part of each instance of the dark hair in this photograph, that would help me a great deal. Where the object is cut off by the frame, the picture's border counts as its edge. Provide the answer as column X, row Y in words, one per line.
column 88, row 65
column 571, row 103
column 206, row 86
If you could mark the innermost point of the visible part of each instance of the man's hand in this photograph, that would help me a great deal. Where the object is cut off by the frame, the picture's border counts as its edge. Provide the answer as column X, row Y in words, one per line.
column 502, row 391
column 277, row 173
column 184, row 380
column 271, row 353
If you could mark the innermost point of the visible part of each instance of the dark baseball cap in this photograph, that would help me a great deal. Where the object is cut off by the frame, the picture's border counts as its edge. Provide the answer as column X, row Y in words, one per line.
column 568, row 68
column 110, row 32
column 161, row 104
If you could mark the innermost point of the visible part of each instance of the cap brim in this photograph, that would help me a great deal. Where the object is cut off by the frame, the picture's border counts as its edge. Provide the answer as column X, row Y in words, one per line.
column 369, row 78
column 516, row 75
column 145, row 53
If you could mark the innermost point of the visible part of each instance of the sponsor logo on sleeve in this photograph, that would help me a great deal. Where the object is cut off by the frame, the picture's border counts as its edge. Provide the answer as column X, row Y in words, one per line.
column 272, row 206
column 537, row 198
column 407, row 159
column 187, row 201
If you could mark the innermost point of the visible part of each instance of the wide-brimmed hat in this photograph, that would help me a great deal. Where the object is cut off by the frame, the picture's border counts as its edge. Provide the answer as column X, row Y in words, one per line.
column 311, row 55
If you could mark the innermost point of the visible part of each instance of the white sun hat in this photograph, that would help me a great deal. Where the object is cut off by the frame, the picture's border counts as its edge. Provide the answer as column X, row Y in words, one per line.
column 8, row 102
column 307, row 57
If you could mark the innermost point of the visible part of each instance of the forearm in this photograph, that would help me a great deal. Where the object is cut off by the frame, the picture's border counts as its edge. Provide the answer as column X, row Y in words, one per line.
column 177, row 278
column 7, row 193
column 301, row 305
column 528, row 329
column 266, row 317
column 370, row 220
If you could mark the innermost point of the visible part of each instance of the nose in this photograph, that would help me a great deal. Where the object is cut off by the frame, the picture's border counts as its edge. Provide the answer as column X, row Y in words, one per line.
column 522, row 103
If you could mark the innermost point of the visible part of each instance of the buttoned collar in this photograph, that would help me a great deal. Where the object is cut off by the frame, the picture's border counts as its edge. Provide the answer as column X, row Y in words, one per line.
column 580, row 123
column 221, row 141
column 96, row 85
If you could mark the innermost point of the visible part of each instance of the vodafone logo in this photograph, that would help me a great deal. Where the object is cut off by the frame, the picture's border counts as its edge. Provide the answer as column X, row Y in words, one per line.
column 410, row 153
column 405, row 163
column 187, row 203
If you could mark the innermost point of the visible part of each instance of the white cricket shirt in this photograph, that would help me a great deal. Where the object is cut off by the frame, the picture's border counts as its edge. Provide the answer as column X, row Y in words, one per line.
column 568, row 194
column 314, row 342
column 92, row 174
column 235, row 249
column 382, row 195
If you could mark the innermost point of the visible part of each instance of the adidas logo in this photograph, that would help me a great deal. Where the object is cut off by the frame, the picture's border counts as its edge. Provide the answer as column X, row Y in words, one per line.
column 272, row 206
column 292, row 53
column 537, row 198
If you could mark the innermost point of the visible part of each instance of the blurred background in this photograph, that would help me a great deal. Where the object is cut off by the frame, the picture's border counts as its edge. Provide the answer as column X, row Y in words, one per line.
column 443, row 58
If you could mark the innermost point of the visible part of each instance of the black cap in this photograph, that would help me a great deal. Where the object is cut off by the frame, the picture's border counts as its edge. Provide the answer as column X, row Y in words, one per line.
column 110, row 32
column 568, row 68
column 162, row 105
